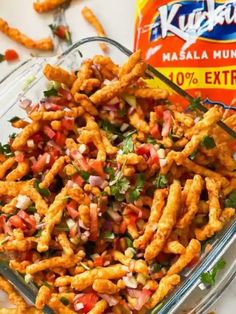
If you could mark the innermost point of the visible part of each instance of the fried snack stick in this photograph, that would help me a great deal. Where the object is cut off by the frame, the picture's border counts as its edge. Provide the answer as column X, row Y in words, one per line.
column 20, row 124
column 84, row 73
column 47, row 5
column 230, row 188
column 93, row 21
column 130, row 159
column 86, row 279
column 40, row 204
column 56, row 168
column 166, row 284
column 65, row 244
column 99, row 307
column 192, row 250
column 59, row 307
column 170, row 158
column 214, row 225
column 16, row 35
column 84, row 214
column 64, row 261
column 43, row 296
column 9, row 207
column 12, row 188
column 63, row 281
column 192, row 202
column 90, row 84
column 224, row 155
column 117, row 87
column 138, row 123
column 30, row 310
column 86, row 104
column 130, row 63
column 56, row 115
column 227, row 214
column 193, row 167
column 183, row 118
column 52, row 218
column 104, row 286
column 166, row 222
column 155, row 214
column 19, row 172
column 6, row 165
column 106, row 67
column 27, row 132
column 147, row 93
column 59, row 75
column 174, row 247
column 190, row 147
column 110, row 149
column 14, row 297
column 210, row 118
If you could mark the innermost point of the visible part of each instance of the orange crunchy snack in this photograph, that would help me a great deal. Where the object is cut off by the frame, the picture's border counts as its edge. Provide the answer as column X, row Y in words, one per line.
column 47, row 5
column 107, row 192
column 45, row 44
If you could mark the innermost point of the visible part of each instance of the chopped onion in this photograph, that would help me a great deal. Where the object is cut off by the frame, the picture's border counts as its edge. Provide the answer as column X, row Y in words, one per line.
column 161, row 153
column 25, row 103
column 33, row 159
column 23, row 202
column 130, row 282
column 107, row 263
column 106, row 82
column 114, row 101
column 28, row 278
column 82, row 148
column 114, row 215
column 81, row 224
column 197, row 119
column 30, row 143
column 202, row 286
column 37, row 217
column 162, row 162
column 70, row 223
column 96, row 181
column 85, row 236
column 234, row 156
column 112, row 301
column 124, row 127
column 78, row 306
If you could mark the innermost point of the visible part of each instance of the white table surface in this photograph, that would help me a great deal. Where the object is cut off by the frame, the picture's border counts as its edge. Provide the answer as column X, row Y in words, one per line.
column 117, row 16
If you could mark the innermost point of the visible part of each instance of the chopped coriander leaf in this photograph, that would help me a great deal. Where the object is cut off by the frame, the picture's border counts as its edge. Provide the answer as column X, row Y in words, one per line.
column 31, row 210
column 128, row 145
column 193, row 155
column 155, row 268
column 84, row 175
column 111, row 172
column 38, row 233
column 135, row 193
column 208, row 142
column 109, row 127
column 122, row 112
column 2, row 57
column 45, row 283
column 151, row 140
column 12, row 136
column 119, row 188
column 129, row 242
column 108, row 235
column 194, row 104
column 231, row 200
column 161, row 181
column 209, row 278
column 6, row 150
column 43, row 192
column 65, row 301
column 62, row 227
column 51, row 92
column 14, row 119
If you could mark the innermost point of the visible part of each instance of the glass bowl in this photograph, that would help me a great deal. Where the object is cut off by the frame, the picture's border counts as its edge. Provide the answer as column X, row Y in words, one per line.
column 27, row 81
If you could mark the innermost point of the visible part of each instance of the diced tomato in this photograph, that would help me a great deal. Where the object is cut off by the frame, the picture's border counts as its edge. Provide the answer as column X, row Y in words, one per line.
column 155, row 131
column 159, row 112
column 98, row 261
column 88, row 299
column 123, row 227
column 39, row 165
column 3, row 225
column 16, row 222
column 97, row 166
column 132, row 218
column 143, row 149
column 68, row 124
column 93, row 222
column 74, row 231
column 83, row 163
column 61, row 31
column 28, row 219
column 37, row 138
column 166, row 127
column 20, row 157
column 60, row 139
column 11, row 55
column 162, row 257
column 78, row 179
column 54, row 107
column 49, row 132
column 65, row 94
column 72, row 208
column 154, row 155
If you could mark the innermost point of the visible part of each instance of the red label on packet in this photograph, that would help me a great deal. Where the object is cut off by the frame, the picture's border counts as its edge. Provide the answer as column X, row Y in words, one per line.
column 192, row 42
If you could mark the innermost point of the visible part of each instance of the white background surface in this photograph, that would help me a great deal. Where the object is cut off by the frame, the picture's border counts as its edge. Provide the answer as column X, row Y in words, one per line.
column 117, row 16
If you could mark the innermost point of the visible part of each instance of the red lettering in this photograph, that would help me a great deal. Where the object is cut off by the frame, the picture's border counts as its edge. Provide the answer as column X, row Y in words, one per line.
column 225, row 76
column 233, row 77
column 208, row 77
column 217, row 77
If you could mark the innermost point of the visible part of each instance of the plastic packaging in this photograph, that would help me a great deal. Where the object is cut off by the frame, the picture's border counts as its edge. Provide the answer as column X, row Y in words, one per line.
column 193, row 42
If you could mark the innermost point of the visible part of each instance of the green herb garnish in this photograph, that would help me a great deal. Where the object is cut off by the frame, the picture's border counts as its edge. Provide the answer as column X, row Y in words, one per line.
column 128, row 145
column 231, row 200
column 108, row 235
column 109, row 127
column 50, row 92
column 208, row 142
column 65, row 301
column 155, row 268
column 194, row 104
column 111, row 172
column 84, row 175
column 43, row 192
column 135, row 193
column 151, row 140
column 209, row 278
column 193, row 155
column 6, row 150
column 129, row 242
column 31, row 210
column 161, row 181
column 14, row 119
column 2, row 57
column 119, row 188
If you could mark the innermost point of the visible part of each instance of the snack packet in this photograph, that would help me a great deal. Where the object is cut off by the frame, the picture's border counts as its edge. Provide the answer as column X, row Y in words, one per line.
column 192, row 42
